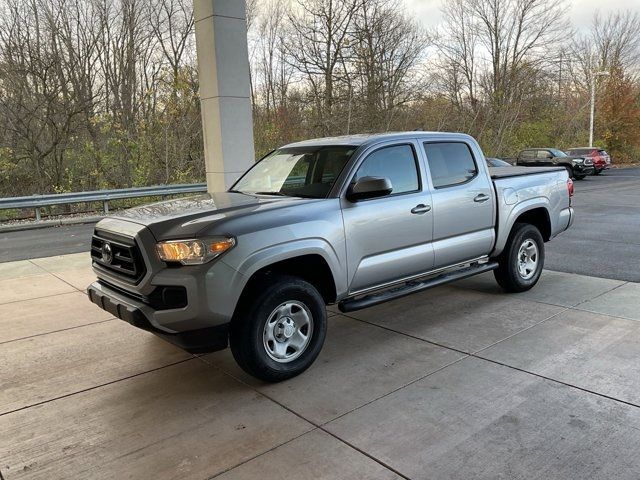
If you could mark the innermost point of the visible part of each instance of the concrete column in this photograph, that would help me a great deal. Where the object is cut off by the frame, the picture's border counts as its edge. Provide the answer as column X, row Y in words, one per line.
column 225, row 97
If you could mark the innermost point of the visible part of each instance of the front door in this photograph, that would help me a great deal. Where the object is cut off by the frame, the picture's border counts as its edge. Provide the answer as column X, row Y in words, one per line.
column 389, row 238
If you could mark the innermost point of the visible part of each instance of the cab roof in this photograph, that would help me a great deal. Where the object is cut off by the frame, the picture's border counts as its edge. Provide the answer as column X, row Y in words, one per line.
column 370, row 138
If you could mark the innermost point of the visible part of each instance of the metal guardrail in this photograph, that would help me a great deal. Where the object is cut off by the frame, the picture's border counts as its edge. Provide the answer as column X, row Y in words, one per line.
column 38, row 201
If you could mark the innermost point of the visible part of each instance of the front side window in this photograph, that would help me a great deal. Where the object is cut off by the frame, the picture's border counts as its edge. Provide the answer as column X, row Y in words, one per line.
column 557, row 153
column 297, row 172
column 397, row 163
column 450, row 163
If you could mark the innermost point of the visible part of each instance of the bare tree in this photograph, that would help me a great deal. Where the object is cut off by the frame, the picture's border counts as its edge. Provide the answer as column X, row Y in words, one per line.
column 612, row 42
column 518, row 35
column 458, row 47
column 319, row 31
column 386, row 47
column 172, row 24
column 104, row 93
column 274, row 70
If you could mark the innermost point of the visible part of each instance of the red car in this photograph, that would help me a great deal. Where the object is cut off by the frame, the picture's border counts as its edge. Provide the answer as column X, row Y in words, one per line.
column 600, row 157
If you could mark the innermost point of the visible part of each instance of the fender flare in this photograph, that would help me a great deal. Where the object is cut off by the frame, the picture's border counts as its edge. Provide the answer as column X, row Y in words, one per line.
column 524, row 207
column 288, row 250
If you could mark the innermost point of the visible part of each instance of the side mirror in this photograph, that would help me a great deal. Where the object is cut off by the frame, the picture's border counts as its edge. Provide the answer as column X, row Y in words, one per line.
column 549, row 156
column 369, row 187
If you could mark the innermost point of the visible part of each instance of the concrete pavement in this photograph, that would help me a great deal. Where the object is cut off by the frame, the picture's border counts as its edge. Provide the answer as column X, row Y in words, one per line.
column 461, row 381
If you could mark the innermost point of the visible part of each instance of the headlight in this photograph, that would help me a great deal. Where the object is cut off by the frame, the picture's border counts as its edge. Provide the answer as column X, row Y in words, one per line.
column 578, row 160
column 588, row 161
column 194, row 252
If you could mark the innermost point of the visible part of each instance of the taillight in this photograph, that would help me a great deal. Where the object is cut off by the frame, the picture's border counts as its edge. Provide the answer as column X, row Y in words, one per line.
column 570, row 187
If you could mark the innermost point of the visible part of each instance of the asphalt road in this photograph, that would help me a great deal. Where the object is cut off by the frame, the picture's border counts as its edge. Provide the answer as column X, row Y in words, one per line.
column 605, row 238
column 45, row 242
column 603, row 242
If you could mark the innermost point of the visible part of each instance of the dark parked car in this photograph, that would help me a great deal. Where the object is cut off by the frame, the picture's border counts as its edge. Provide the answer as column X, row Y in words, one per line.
column 578, row 167
column 496, row 162
column 601, row 159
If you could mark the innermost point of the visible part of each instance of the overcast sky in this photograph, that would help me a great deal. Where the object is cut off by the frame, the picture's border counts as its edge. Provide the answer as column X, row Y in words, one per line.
column 580, row 14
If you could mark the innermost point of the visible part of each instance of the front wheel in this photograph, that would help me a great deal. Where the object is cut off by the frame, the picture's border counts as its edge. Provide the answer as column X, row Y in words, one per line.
column 279, row 334
column 521, row 262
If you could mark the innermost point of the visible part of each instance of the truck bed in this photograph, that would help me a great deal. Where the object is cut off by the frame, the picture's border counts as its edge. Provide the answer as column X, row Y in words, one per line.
column 507, row 172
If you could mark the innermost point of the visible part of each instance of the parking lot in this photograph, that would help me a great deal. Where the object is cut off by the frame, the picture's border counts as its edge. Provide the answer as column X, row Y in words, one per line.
column 461, row 381
column 605, row 239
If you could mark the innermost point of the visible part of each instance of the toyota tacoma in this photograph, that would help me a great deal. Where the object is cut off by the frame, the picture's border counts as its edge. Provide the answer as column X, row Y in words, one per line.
column 353, row 221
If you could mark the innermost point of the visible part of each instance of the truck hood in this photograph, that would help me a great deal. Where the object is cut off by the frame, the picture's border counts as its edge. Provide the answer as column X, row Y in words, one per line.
column 185, row 217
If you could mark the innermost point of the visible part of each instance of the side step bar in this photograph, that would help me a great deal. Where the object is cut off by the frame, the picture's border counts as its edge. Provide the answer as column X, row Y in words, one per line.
column 350, row 305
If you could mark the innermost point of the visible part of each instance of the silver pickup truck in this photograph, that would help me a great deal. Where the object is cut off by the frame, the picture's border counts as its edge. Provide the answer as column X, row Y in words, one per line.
column 353, row 221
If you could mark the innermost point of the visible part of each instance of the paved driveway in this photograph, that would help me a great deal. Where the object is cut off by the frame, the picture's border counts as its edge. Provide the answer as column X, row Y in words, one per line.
column 458, row 382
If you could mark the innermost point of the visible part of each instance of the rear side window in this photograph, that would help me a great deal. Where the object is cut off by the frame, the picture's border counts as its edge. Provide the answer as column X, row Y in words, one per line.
column 450, row 163
column 527, row 154
column 542, row 154
column 397, row 163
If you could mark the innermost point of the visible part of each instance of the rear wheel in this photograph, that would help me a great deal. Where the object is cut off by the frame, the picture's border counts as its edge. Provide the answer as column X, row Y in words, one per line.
column 279, row 334
column 521, row 262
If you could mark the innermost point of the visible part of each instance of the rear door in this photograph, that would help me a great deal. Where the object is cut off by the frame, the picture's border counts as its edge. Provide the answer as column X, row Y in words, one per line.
column 389, row 238
column 463, row 202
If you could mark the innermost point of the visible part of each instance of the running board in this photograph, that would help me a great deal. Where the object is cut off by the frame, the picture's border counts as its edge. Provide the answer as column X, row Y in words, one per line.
column 350, row 305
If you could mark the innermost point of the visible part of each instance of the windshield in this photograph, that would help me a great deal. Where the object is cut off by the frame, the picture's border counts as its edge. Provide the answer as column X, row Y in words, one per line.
column 557, row 153
column 582, row 151
column 296, row 172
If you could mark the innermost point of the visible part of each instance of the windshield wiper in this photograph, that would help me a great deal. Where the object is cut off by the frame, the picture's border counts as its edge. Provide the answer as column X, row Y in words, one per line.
column 279, row 194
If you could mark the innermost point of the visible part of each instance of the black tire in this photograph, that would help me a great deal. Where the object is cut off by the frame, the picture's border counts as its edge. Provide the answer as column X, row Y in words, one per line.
column 246, row 336
column 597, row 172
column 508, row 274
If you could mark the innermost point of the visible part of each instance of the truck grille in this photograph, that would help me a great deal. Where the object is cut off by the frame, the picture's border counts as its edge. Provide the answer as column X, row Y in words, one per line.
column 117, row 254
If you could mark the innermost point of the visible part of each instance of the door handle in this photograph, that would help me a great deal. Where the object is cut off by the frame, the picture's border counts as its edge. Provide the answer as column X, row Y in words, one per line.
column 481, row 198
column 421, row 208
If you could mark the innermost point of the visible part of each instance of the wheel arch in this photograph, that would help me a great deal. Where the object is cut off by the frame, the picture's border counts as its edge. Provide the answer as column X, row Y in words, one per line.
column 535, row 212
column 312, row 268
column 538, row 217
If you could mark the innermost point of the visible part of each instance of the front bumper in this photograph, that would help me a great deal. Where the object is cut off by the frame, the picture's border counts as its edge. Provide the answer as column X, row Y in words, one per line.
column 139, row 314
column 584, row 169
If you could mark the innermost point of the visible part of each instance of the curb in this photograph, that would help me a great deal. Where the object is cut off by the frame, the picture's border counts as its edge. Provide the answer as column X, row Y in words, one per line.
column 19, row 227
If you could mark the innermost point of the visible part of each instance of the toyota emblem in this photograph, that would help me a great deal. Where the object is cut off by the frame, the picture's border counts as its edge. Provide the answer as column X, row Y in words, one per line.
column 107, row 253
